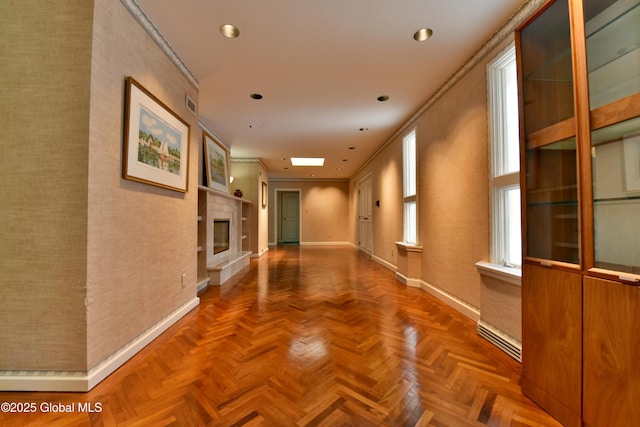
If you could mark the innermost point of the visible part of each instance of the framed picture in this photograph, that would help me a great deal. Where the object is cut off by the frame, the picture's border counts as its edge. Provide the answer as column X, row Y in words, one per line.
column 216, row 159
column 632, row 164
column 156, row 141
column 265, row 194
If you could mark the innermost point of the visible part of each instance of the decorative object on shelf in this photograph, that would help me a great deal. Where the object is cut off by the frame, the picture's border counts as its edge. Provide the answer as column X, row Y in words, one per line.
column 216, row 158
column 265, row 194
column 156, row 141
column 238, row 193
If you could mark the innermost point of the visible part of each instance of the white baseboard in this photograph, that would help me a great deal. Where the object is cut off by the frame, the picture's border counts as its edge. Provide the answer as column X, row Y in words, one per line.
column 260, row 253
column 325, row 243
column 385, row 263
column 82, row 381
column 466, row 309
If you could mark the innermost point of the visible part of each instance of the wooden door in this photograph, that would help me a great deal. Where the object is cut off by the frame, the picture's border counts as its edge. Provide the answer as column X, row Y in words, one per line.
column 611, row 349
column 290, row 216
column 552, row 341
column 365, row 216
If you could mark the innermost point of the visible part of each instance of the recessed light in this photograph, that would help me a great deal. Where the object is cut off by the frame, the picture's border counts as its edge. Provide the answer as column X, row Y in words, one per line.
column 423, row 34
column 345, row 160
column 363, row 129
column 256, row 96
column 352, row 148
column 307, row 161
column 230, row 31
column 383, row 98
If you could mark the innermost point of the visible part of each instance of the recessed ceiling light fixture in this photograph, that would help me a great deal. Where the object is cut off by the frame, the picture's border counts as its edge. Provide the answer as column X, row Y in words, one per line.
column 383, row 98
column 363, row 129
column 229, row 31
column 423, row 34
column 307, row 161
column 256, row 96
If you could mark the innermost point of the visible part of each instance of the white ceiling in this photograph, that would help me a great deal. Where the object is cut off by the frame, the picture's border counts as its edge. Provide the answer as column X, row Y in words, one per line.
column 320, row 66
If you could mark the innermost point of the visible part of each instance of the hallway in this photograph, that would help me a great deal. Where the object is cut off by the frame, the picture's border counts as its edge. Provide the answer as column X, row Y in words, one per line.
column 306, row 336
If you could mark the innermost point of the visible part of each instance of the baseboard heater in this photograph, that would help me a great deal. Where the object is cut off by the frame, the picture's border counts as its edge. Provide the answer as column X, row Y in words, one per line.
column 501, row 340
column 401, row 278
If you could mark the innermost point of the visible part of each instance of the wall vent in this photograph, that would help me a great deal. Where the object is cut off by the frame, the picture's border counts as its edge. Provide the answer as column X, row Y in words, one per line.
column 501, row 340
column 401, row 278
column 191, row 106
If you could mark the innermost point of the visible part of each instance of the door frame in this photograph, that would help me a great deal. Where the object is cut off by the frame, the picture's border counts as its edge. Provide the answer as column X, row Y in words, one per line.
column 276, row 211
column 367, row 177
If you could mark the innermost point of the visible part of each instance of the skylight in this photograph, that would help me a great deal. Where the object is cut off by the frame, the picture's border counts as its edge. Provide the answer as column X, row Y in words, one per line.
column 307, row 161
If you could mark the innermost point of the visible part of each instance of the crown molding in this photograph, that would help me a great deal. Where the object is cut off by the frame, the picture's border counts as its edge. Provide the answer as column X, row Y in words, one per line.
column 145, row 22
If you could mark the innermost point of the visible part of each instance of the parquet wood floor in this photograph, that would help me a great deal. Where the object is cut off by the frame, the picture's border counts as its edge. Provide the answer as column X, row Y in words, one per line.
column 307, row 336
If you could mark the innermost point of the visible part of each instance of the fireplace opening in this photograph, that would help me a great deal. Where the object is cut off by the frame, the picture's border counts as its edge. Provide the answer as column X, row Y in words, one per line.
column 220, row 235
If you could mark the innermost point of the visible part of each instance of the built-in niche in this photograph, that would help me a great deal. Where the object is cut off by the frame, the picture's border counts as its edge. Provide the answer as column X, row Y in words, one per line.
column 221, row 235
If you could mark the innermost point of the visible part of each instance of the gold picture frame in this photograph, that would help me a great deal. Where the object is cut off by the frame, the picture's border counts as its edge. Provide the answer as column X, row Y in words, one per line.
column 216, row 159
column 156, row 141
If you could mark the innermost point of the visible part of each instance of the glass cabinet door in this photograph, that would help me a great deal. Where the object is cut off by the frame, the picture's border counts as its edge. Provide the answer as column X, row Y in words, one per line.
column 616, row 190
column 552, row 231
column 552, row 202
column 613, row 49
column 547, row 76
column 612, row 28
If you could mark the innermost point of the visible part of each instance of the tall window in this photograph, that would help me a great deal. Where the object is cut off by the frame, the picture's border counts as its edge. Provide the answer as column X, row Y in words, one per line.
column 409, row 188
column 505, row 159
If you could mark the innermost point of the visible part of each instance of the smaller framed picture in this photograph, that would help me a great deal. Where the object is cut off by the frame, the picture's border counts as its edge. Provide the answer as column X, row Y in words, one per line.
column 265, row 194
column 216, row 158
column 156, row 141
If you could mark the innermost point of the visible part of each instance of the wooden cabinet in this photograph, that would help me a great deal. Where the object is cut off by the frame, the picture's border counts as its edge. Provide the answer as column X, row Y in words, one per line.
column 611, row 350
column 579, row 87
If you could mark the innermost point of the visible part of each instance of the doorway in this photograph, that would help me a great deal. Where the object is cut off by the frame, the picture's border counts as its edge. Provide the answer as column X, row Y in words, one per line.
column 365, row 216
column 288, row 216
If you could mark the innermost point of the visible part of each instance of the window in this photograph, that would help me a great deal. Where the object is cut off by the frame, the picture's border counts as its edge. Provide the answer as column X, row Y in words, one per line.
column 409, row 171
column 505, row 159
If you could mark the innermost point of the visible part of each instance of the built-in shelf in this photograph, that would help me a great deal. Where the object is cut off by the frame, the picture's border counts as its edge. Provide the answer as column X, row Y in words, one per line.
column 216, row 268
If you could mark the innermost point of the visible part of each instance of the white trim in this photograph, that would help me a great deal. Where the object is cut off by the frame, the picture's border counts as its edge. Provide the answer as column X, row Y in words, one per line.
column 384, row 263
column 506, row 274
column 325, row 243
column 452, row 301
column 409, row 247
column 82, row 381
column 260, row 253
column 145, row 22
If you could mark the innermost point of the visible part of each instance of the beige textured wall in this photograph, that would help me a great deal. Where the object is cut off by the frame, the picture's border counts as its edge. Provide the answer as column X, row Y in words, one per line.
column 324, row 210
column 453, row 190
column 248, row 176
column 454, row 195
column 141, row 238
column 385, row 170
column 44, row 117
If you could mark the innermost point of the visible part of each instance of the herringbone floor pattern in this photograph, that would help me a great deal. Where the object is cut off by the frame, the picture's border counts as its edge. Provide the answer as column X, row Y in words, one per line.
column 308, row 337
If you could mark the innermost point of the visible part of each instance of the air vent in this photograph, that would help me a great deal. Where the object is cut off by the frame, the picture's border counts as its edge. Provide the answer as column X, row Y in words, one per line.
column 191, row 106
column 501, row 340
column 401, row 278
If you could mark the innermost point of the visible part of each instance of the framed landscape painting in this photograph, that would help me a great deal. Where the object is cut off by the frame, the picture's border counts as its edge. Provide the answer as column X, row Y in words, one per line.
column 156, row 141
column 216, row 159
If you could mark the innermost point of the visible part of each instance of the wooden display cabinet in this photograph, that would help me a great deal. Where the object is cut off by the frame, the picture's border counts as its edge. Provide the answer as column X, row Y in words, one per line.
column 579, row 87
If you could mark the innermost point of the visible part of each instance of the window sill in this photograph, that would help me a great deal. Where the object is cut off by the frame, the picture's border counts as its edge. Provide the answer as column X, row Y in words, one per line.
column 409, row 247
column 500, row 272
